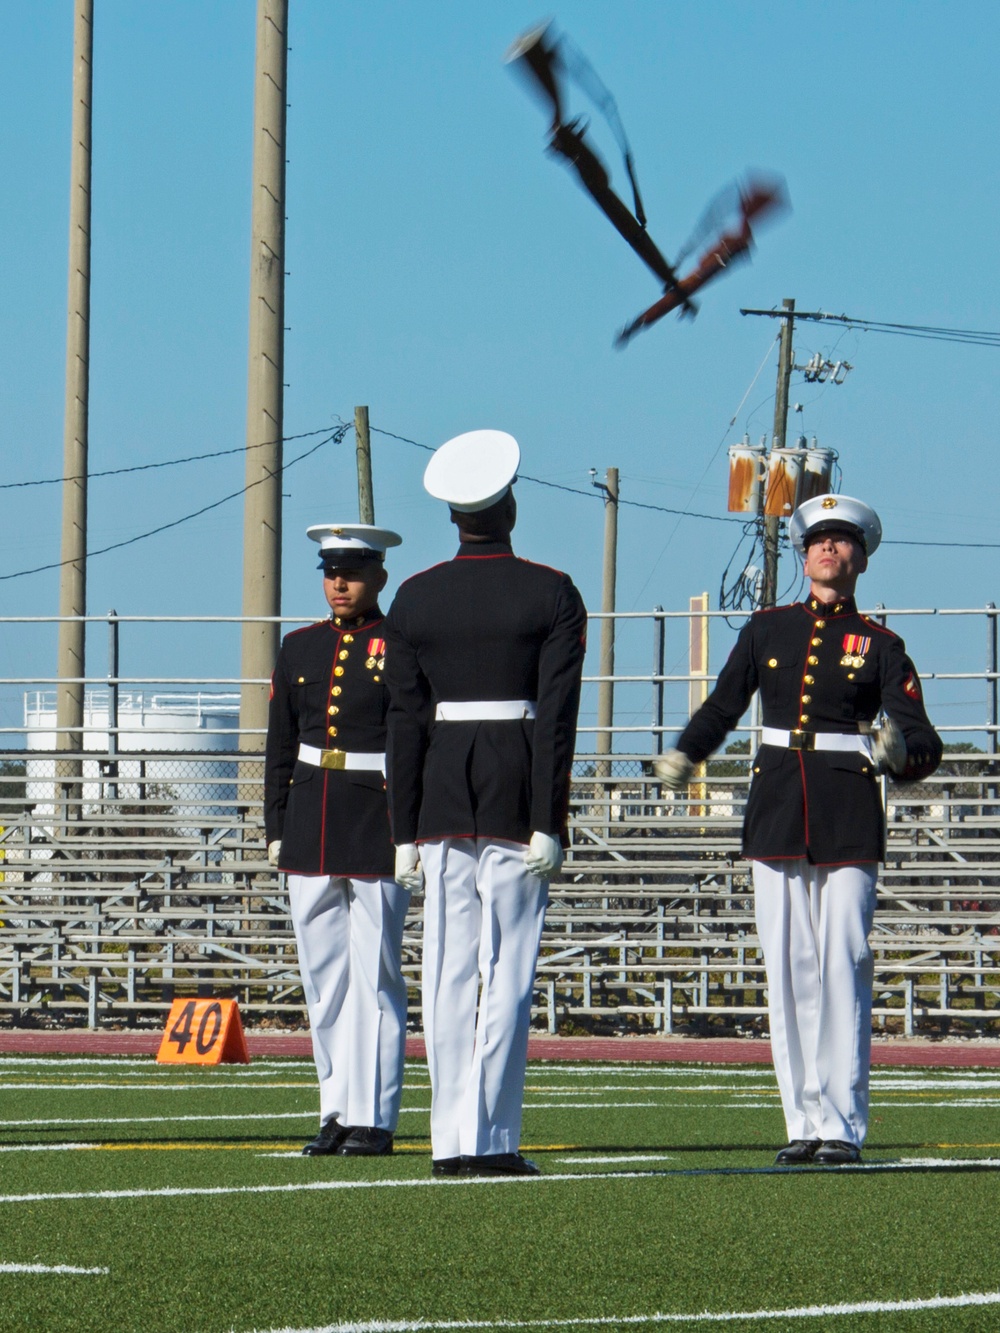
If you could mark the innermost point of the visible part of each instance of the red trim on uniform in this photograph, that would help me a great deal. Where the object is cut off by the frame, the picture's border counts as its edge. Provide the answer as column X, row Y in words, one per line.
column 322, row 821
column 490, row 837
column 537, row 565
column 326, row 772
column 302, row 628
column 820, row 864
column 805, row 800
column 882, row 629
column 335, row 874
column 805, row 672
column 501, row 555
column 440, row 565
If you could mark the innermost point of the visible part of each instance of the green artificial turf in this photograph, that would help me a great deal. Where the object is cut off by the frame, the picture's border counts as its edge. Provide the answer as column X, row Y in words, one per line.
column 671, row 1205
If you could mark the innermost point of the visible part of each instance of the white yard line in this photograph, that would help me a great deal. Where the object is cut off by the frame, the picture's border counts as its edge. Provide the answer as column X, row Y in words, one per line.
column 47, row 1147
column 62, row 1269
column 55, row 1086
column 972, row 1298
column 955, row 1165
column 615, row 1159
column 157, row 1119
column 146, row 1063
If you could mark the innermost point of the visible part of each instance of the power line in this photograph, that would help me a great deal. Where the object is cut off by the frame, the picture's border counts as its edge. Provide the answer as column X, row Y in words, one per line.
column 169, row 462
column 967, row 546
column 335, row 437
column 934, row 332
column 573, row 490
column 687, row 513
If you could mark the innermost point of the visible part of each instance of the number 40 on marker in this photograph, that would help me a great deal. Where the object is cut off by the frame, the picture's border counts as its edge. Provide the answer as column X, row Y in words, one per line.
column 203, row 1032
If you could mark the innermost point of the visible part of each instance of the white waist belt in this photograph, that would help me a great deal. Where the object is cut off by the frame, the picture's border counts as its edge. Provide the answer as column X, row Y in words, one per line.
column 485, row 710
column 340, row 759
column 814, row 740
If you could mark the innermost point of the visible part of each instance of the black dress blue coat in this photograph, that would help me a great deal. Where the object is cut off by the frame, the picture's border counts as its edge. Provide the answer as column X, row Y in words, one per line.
column 484, row 626
column 818, row 668
column 328, row 689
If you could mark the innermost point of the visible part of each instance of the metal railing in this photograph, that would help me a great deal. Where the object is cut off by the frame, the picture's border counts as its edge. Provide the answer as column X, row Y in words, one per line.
column 133, row 866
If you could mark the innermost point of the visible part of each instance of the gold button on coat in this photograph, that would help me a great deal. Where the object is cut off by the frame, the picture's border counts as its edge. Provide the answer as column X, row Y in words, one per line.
column 336, row 689
column 333, row 731
column 342, row 654
column 338, row 671
column 348, row 638
column 808, row 680
column 773, row 662
column 813, row 661
column 821, row 624
column 816, row 642
column 804, row 717
column 807, row 698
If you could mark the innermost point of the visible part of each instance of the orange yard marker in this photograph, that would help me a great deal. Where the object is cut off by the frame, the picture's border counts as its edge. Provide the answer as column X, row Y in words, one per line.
column 203, row 1032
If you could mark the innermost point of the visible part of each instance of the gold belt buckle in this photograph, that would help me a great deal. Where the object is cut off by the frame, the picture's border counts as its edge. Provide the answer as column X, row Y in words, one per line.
column 333, row 759
column 801, row 740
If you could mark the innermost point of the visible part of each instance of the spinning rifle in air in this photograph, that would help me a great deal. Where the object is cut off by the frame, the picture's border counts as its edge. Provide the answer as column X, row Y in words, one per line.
column 723, row 234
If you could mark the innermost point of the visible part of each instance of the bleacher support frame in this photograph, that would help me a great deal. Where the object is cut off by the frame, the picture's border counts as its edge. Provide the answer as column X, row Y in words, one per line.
column 118, row 893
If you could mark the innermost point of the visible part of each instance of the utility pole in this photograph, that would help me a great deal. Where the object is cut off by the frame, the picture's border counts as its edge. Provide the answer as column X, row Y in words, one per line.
column 73, row 573
column 771, row 521
column 265, row 400
column 366, row 496
column 606, row 689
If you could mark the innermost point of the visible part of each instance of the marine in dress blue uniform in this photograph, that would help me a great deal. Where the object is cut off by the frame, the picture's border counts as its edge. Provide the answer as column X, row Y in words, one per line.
column 484, row 657
column 327, row 824
column 814, row 825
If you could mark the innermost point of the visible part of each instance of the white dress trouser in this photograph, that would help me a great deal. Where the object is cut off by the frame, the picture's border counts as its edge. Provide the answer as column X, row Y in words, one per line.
column 813, row 923
column 483, row 915
column 349, row 934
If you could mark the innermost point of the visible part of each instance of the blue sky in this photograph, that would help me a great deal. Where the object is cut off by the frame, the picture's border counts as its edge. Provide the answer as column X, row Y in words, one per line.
column 449, row 275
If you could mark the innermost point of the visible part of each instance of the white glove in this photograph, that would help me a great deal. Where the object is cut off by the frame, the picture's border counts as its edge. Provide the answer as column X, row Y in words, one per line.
column 274, row 852
column 674, row 769
column 409, row 871
column 544, row 856
column 888, row 748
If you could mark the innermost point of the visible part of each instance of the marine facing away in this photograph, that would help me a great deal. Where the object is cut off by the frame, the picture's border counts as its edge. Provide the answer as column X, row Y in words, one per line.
column 485, row 654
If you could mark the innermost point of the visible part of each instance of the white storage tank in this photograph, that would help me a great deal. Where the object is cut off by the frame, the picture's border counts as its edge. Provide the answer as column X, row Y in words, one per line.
column 157, row 723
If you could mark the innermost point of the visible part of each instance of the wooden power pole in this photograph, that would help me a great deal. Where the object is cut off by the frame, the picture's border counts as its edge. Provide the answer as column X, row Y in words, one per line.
column 73, row 573
column 771, row 521
column 265, row 399
column 366, row 496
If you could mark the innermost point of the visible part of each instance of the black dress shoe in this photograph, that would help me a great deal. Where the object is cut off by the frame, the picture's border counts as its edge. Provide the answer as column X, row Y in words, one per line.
column 499, row 1164
column 835, row 1152
column 447, row 1166
column 798, row 1152
column 366, row 1141
column 331, row 1135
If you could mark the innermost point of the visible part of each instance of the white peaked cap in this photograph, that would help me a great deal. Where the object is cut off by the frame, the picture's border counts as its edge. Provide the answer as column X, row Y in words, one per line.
column 836, row 513
column 357, row 541
column 473, row 471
